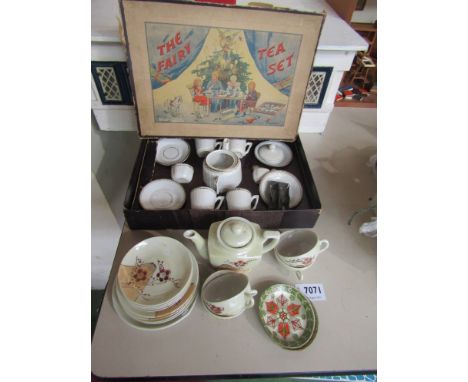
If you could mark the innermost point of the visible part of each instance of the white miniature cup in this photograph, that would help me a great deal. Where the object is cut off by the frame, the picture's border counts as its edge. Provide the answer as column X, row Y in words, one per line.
column 205, row 198
column 182, row 173
column 298, row 249
column 227, row 294
column 204, row 146
column 239, row 146
column 241, row 199
column 258, row 173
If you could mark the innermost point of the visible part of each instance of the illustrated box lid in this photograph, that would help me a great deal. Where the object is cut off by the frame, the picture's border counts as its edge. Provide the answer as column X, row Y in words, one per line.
column 208, row 70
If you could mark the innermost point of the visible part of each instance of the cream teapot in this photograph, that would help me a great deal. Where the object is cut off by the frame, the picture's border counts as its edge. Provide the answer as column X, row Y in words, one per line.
column 235, row 244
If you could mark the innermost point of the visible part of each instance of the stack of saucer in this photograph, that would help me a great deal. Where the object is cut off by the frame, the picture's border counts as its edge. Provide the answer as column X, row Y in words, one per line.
column 156, row 284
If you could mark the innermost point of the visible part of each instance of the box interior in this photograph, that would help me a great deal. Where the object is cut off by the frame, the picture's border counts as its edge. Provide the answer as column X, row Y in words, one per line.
column 150, row 170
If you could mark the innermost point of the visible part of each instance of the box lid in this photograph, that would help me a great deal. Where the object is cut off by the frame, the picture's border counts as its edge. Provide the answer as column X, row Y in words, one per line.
column 208, row 70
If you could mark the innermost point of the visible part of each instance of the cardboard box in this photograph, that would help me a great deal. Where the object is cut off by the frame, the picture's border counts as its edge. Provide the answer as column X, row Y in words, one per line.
column 210, row 70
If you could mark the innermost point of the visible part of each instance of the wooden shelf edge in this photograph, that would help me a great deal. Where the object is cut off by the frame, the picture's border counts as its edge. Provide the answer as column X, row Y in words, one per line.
column 356, row 104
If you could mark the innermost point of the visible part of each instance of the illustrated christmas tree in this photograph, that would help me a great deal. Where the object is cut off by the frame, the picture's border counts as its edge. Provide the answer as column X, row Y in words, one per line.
column 225, row 61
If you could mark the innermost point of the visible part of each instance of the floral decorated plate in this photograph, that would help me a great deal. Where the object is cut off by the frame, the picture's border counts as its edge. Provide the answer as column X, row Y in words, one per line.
column 144, row 326
column 155, row 271
column 288, row 317
column 168, row 314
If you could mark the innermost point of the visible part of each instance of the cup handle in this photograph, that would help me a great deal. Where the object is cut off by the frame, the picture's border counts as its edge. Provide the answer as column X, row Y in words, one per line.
column 218, row 202
column 299, row 275
column 254, row 201
column 272, row 237
column 248, row 146
column 324, row 244
column 250, row 302
column 218, row 145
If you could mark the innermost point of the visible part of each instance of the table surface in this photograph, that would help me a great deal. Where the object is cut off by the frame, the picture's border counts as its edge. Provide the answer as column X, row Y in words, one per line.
column 203, row 345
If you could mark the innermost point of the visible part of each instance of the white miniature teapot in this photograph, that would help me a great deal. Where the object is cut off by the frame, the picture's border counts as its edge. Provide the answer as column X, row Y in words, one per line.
column 235, row 244
column 222, row 170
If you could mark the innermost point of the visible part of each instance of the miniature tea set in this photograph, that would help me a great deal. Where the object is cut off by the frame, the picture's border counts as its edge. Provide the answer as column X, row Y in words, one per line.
column 157, row 280
column 222, row 172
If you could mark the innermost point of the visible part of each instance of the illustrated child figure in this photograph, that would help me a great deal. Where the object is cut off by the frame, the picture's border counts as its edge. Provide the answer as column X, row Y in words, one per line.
column 199, row 99
column 233, row 89
column 214, row 87
column 250, row 100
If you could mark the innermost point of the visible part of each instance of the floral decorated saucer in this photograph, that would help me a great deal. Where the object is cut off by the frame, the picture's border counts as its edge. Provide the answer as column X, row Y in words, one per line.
column 288, row 317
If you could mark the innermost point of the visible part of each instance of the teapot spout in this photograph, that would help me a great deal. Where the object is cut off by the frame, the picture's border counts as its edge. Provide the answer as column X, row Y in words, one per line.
column 199, row 241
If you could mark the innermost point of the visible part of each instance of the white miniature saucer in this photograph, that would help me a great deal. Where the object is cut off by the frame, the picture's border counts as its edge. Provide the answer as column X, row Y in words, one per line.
column 162, row 194
column 273, row 153
column 295, row 187
column 170, row 151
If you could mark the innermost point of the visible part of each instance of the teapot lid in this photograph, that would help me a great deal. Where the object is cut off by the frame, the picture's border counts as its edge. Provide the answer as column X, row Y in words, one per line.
column 236, row 232
column 271, row 153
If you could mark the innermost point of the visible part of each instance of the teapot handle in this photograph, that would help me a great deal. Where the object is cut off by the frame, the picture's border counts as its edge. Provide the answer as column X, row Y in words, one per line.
column 270, row 240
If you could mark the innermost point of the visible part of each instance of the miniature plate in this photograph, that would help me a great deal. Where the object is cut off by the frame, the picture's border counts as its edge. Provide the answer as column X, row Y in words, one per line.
column 143, row 326
column 162, row 194
column 273, row 153
column 124, row 311
column 166, row 314
column 295, row 187
column 287, row 316
column 156, row 318
column 155, row 271
column 170, row 151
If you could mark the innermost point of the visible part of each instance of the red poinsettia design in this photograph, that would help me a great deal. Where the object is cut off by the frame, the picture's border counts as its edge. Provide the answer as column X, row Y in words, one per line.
column 282, row 313
column 283, row 329
column 271, row 307
column 294, row 309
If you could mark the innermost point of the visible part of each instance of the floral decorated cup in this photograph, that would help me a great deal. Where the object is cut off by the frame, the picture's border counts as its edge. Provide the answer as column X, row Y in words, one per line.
column 298, row 249
column 227, row 294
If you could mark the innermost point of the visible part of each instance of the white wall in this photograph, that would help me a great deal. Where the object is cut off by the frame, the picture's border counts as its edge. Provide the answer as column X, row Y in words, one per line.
column 367, row 15
column 112, row 157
